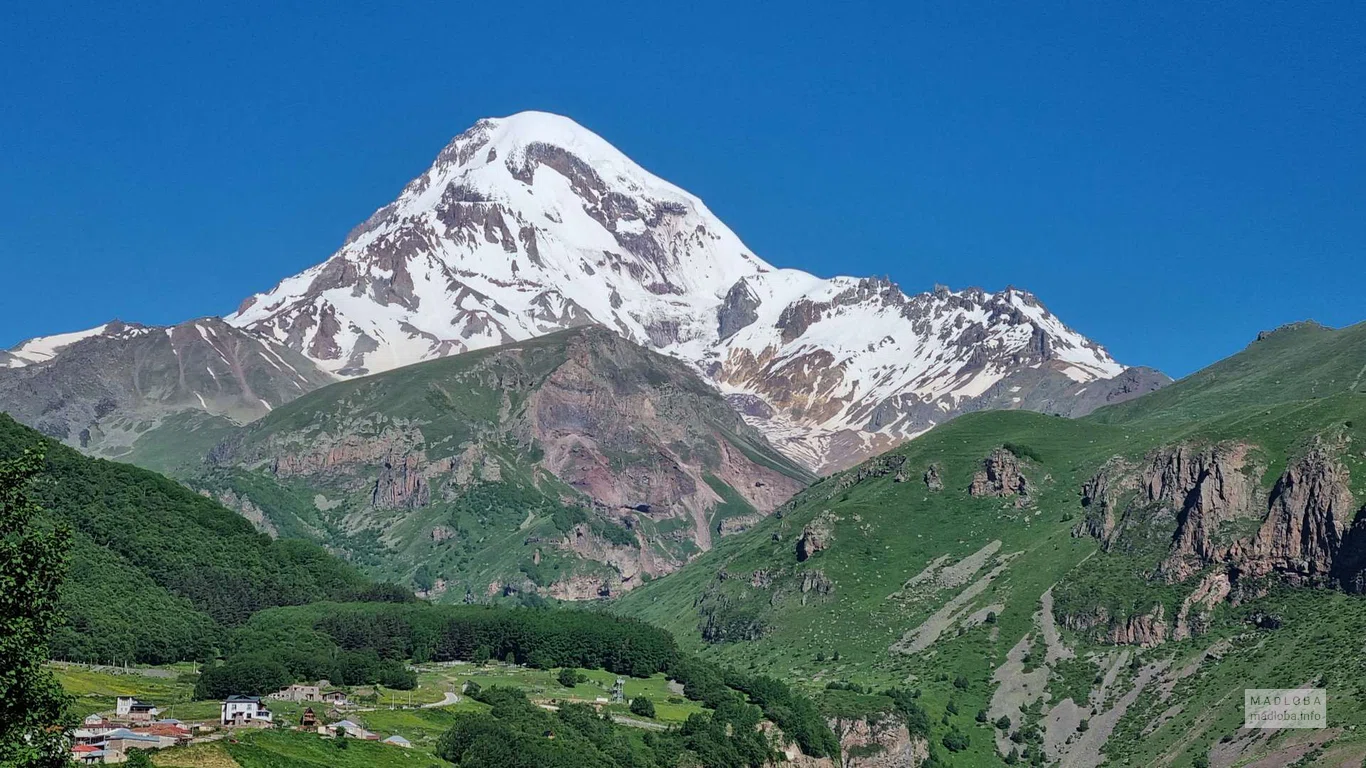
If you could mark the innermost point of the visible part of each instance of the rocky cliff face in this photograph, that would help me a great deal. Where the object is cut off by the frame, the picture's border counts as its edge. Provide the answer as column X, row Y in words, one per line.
column 595, row 449
column 871, row 742
column 102, row 389
column 1305, row 528
column 1201, row 511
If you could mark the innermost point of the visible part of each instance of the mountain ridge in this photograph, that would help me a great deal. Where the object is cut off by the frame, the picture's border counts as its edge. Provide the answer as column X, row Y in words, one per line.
column 575, row 464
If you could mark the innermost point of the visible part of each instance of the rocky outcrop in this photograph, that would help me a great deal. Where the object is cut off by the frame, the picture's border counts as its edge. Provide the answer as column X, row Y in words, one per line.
column 1209, row 489
column 816, row 536
column 882, row 466
column 1102, row 498
column 1350, row 562
column 933, row 482
column 1194, row 616
column 1203, row 507
column 401, row 485
column 245, row 507
column 1304, row 530
column 876, row 741
column 1000, row 476
column 1146, row 630
column 816, row 582
column 737, row 311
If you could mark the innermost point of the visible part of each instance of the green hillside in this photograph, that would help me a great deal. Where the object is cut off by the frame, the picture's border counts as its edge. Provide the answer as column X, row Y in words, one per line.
column 156, row 571
column 1009, row 604
column 572, row 465
column 1294, row 364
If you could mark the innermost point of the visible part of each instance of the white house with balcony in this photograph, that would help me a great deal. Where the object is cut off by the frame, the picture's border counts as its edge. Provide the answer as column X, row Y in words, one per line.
column 245, row 710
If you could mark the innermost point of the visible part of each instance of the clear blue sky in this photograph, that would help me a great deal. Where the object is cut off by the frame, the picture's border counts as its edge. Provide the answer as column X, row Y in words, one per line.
column 1168, row 177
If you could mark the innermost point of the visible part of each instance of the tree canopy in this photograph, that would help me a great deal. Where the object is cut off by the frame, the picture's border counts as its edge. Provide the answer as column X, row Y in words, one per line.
column 33, row 707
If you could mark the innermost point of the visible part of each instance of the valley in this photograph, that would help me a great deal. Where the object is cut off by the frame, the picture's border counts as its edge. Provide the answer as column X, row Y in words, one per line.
column 544, row 466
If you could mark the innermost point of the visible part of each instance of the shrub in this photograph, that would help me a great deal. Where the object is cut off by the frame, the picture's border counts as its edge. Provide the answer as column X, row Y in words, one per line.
column 643, row 707
column 956, row 741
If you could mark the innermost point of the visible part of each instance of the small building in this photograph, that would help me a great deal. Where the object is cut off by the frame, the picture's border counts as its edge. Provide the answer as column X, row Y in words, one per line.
column 168, row 732
column 87, row 754
column 309, row 719
column 335, row 698
column 118, row 743
column 352, row 729
column 92, row 734
column 398, row 741
column 297, row 692
column 129, row 708
column 244, row 710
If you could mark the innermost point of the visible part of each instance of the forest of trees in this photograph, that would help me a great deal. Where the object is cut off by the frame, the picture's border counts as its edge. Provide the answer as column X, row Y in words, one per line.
column 156, row 571
column 514, row 733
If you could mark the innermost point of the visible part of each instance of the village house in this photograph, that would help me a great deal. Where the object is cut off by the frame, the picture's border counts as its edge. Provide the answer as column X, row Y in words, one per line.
column 353, row 730
column 171, row 733
column 244, row 710
column 297, row 693
column 92, row 733
column 119, row 742
column 130, row 709
column 87, row 754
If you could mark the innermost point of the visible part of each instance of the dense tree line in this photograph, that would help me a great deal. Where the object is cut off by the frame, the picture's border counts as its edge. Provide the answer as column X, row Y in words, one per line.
column 157, row 569
column 538, row 638
column 359, row 643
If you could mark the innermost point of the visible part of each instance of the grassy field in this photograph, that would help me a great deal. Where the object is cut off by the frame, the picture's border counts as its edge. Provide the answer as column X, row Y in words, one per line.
column 96, row 691
column 291, row 749
column 542, row 685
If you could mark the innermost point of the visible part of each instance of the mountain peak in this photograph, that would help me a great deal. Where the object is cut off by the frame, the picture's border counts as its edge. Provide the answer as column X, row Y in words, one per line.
column 531, row 223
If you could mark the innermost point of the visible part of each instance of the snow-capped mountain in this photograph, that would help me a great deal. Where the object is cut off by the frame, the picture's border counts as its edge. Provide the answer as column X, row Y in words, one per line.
column 523, row 226
column 43, row 348
column 531, row 223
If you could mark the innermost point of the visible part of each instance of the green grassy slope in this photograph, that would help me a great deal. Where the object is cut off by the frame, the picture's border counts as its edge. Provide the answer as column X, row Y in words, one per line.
column 843, row 613
column 1294, row 364
column 156, row 571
